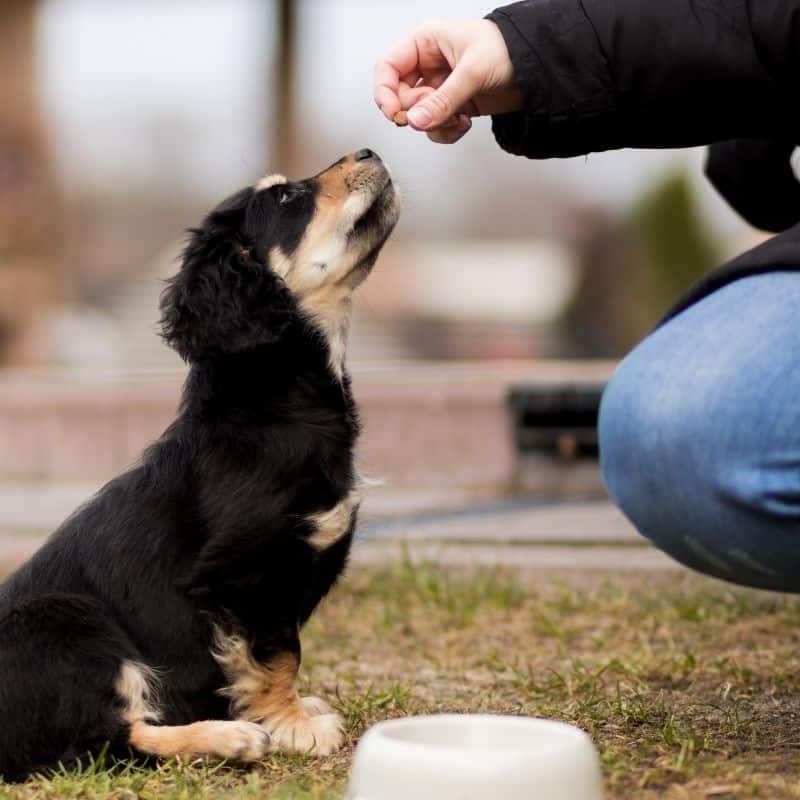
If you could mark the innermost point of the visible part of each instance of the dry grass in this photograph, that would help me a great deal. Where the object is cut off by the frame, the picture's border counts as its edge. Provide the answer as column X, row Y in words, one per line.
column 689, row 688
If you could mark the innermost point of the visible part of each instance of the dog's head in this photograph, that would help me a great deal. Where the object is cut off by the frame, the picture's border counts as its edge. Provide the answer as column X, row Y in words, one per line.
column 277, row 253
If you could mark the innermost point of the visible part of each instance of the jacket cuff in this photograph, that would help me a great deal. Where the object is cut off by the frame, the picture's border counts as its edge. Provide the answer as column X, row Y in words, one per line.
column 527, row 66
column 563, row 76
column 511, row 131
column 756, row 178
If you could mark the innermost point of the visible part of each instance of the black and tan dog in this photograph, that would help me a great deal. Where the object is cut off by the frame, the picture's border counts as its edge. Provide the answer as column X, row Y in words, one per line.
column 164, row 615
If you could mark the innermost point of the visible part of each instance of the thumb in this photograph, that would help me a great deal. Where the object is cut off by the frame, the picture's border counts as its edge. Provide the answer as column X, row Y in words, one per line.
column 442, row 104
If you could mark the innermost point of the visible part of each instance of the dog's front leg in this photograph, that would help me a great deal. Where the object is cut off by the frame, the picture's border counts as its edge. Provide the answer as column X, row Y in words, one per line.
column 255, row 579
column 262, row 687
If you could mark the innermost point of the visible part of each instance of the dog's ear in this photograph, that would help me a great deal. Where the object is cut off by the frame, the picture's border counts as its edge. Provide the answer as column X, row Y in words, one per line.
column 222, row 300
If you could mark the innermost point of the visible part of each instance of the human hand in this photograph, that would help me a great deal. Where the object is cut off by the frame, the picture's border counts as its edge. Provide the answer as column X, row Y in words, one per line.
column 444, row 74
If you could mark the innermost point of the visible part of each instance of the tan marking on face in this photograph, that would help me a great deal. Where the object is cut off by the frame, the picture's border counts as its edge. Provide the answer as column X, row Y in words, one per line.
column 328, row 305
column 279, row 262
column 331, row 525
column 236, row 740
column 267, row 694
column 269, row 181
column 333, row 182
column 320, row 271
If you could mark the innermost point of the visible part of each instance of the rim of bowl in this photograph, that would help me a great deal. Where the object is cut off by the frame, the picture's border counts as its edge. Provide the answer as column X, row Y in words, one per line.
column 565, row 735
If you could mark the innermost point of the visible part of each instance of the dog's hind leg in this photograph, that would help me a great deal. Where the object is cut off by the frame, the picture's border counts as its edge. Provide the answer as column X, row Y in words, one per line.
column 237, row 740
column 60, row 657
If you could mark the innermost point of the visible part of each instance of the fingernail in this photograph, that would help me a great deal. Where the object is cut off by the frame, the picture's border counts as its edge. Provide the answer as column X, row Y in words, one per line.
column 420, row 117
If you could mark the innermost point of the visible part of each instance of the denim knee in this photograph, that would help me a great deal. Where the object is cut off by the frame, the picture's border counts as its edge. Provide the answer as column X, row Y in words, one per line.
column 701, row 468
column 700, row 434
column 638, row 428
column 648, row 435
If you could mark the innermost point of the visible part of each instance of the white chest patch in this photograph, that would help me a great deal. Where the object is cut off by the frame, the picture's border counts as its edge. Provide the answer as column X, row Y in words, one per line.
column 331, row 525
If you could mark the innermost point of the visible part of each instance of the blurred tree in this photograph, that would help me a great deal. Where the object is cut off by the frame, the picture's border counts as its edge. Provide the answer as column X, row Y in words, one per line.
column 634, row 270
column 676, row 244
column 284, row 113
column 29, row 209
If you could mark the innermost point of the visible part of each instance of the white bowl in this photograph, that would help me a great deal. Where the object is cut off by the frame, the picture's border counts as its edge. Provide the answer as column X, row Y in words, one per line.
column 475, row 757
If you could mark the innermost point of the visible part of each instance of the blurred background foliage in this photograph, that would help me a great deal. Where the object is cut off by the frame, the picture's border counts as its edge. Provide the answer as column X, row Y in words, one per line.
column 638, row 266
column 676, row 246
column 124, row 121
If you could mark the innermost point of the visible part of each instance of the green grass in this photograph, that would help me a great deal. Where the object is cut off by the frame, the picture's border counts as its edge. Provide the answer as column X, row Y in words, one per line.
column 689, row 688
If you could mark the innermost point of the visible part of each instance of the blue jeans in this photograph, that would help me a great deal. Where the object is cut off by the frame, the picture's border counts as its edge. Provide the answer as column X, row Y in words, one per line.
column 700, row 434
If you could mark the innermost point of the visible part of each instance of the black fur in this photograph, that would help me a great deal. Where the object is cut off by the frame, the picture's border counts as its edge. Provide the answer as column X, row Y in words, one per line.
column 209, row 526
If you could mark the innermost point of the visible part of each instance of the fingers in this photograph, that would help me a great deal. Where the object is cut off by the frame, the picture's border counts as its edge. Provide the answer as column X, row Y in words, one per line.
column 437, row 90
column 400, row 61
column 450, row 134
column 443, row 103
column 411, row 95
column 451, row 129
column 385, row 92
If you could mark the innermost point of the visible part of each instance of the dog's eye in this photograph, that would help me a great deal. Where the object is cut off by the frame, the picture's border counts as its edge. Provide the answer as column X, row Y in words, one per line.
column 288, row 196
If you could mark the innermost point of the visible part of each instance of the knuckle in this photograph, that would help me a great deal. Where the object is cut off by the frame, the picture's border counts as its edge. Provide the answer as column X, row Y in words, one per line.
column 439, row 103
column 427, row 42
column 473, row 71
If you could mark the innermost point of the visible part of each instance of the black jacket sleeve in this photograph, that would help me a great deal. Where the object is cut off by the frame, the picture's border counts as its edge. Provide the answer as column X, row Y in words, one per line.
column 604, row 74
column 757, row 179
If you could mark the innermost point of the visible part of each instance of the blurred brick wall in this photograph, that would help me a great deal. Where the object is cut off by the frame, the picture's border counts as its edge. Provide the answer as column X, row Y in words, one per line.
column 427, row 428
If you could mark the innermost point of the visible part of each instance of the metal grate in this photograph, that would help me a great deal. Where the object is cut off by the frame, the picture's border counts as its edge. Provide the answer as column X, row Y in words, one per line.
column 559, row 420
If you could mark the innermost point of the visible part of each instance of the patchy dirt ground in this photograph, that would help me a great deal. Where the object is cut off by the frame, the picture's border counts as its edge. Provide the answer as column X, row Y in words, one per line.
column 690, row 688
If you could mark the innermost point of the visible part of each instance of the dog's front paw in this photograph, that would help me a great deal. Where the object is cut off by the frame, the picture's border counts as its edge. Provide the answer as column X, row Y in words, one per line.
column 239, row 741
column 316, row 706
column 319, row 735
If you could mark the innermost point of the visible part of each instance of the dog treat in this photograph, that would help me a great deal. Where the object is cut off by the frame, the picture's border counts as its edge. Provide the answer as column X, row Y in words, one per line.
column 400, row 119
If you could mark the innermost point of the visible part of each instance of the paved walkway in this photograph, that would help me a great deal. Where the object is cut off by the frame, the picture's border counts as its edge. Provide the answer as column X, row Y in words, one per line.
column 385, row 513
column 575, row 535
column 590, row 535
column 519, row 522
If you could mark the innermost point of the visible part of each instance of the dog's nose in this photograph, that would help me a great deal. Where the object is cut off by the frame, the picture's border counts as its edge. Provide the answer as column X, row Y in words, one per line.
column 365, row 155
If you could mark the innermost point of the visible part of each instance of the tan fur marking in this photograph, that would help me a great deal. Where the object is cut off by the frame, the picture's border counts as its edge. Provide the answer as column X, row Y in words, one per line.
column 279, row 262
column 333, row 182
column 232, row 739
column 269, row 181
column 321, row 272
column 331, row 309
column 137, row 686
column 267, row 694
column 333, row 524
column 329, row 306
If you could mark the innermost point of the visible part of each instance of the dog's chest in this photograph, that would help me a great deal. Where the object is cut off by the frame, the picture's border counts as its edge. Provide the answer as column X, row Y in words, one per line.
column 331, row 525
